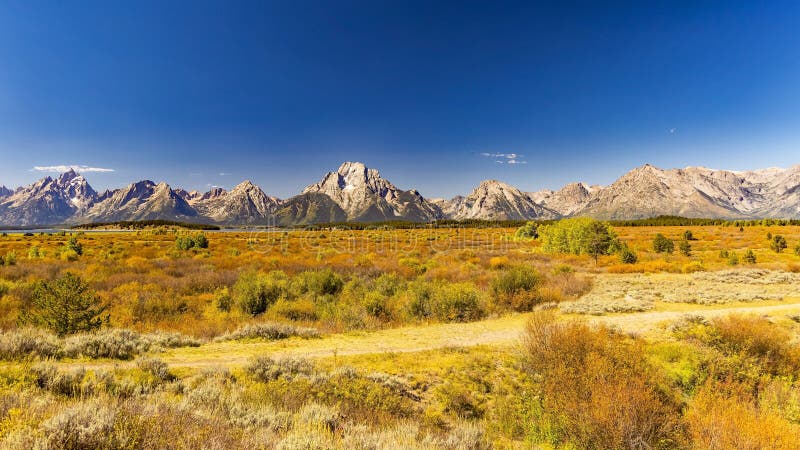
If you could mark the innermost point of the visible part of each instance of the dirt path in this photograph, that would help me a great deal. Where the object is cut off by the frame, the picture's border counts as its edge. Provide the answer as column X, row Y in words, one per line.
column 505, row 331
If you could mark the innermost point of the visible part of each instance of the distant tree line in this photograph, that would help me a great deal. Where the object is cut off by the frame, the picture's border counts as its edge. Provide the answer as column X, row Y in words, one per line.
column 141, row 224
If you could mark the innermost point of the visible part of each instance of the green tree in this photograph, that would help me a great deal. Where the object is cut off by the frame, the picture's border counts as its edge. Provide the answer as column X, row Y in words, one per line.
column 578, row 236
column 65, row 305
column 661, row 244
column 527, row 232
column 778, row 243
column 685, row 247
column 599, row 239
column 688, row 235
column 797, row 250
column 750, row 257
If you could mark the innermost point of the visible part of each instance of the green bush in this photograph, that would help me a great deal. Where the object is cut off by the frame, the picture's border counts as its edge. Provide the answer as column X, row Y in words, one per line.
column 10, row 258
column 750, row 257
column 188, row 242
column 457, row 302
column 661, row 244
column 627, row 256
column 255, row 292
column 319, row 283
column 778, row 243
column 75, row 246
column 517, row 288
column 685, row 247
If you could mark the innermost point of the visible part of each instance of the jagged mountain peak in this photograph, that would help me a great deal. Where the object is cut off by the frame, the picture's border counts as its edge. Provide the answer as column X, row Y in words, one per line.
column 364, row 195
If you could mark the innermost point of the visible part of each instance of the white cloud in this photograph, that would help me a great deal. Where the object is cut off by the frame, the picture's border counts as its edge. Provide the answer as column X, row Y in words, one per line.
column 68, row 167
column 506, row 158
column 224, row 174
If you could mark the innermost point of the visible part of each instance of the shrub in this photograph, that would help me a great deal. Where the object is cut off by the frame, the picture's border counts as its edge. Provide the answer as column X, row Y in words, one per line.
column 188, row 242
column 269, row 331
column 81, row 426
column 733, row 259
column 778, row 243
column 597, row 389
column 115, row 344
column 688, row 236
column 28, row 342
column 319, row 415
column 223, row 299
column 255, row 292
column 266, row 369
column 319, row 283
column 685, row 247
column 517, row 288
column 65, row 305
column 750, row 257
column 457, row 302
column 155, row 367
column 797, row 250
column 661, row 244
column 627, row 256
column 11, row 258
column 74, row 246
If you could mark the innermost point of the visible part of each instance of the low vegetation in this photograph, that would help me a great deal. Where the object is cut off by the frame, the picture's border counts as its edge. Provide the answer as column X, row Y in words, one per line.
column 113, row 340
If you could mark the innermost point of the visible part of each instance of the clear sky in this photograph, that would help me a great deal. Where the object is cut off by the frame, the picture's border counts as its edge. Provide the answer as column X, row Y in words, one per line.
column 200, row 93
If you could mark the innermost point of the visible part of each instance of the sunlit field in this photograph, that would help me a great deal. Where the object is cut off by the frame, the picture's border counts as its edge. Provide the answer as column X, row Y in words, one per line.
column 462, row 338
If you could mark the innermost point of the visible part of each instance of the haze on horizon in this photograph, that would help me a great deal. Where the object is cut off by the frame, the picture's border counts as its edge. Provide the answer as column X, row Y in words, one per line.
column 436, row 96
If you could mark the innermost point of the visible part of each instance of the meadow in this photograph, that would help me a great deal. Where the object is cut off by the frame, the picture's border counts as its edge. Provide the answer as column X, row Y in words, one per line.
column 461, row 338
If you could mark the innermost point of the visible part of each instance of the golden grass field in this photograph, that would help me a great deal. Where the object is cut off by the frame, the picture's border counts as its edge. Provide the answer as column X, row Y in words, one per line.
column 412, row 342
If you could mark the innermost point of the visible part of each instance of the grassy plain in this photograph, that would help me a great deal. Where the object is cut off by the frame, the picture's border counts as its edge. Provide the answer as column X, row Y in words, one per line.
column 424, row 339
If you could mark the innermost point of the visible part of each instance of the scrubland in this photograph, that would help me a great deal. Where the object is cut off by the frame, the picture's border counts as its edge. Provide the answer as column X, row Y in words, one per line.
column 419, row 338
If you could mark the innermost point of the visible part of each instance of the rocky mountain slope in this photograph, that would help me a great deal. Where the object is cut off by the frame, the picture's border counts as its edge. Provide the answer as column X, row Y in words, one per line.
column 48, row 201
column 143, row 200
column 567, row 200
column 365, row 196
column 356, row 193
column 495, row 200
column 244, row 204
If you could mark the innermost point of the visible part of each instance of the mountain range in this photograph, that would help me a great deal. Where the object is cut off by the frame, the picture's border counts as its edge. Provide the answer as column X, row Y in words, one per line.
column 359, row 194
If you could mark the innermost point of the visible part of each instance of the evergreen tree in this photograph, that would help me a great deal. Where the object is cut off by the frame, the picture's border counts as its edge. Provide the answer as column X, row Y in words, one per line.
column 663, row 245
column 685, row 247
column 65, row 305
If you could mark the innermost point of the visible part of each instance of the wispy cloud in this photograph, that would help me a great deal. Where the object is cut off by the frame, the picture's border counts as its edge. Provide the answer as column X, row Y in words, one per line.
column 68, row 167
column 506, row 158
column 224, row 174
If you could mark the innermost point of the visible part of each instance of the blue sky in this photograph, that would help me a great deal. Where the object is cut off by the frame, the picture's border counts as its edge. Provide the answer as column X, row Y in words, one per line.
column 210, row 93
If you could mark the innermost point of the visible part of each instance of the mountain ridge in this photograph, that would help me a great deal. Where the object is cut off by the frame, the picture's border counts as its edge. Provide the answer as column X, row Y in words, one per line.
column 357, row 193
